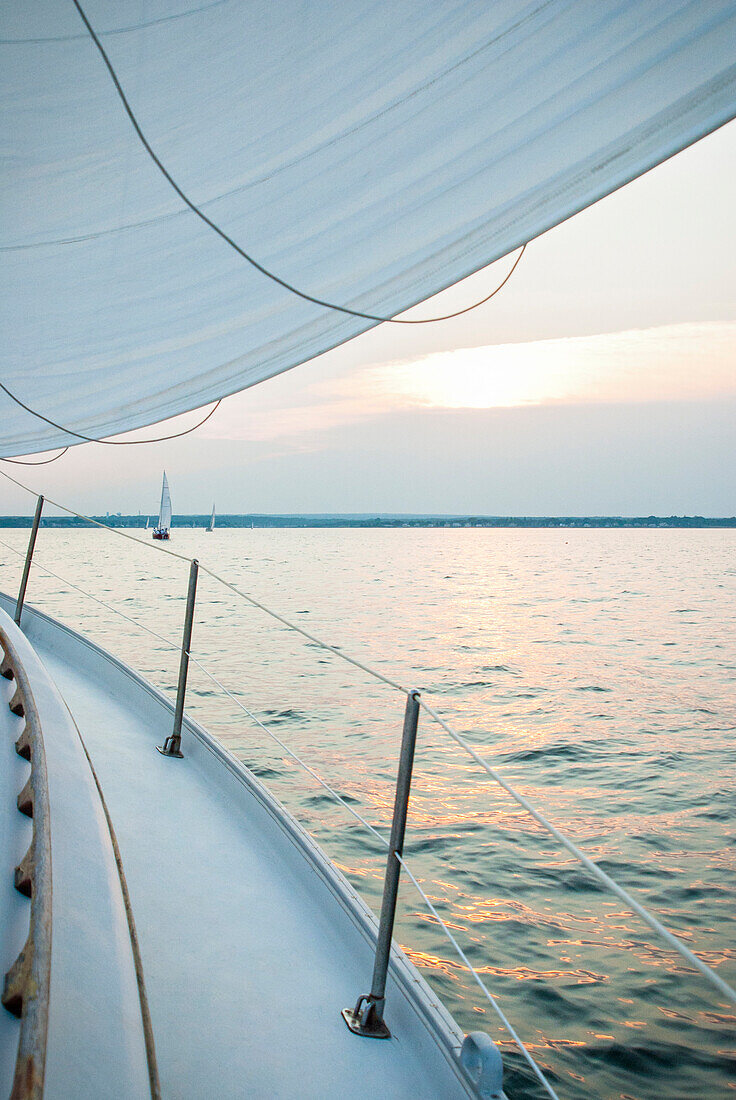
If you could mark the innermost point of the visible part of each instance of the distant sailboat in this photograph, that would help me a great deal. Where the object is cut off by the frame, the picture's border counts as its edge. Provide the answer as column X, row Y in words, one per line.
column 161, row 530
column 146, row 523
column 212, row 520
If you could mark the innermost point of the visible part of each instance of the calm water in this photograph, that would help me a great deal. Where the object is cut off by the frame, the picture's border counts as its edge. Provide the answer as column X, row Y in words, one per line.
column 594, row 669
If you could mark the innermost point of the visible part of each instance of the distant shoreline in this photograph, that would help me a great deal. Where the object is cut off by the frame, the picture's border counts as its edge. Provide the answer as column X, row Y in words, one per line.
column 389, row 520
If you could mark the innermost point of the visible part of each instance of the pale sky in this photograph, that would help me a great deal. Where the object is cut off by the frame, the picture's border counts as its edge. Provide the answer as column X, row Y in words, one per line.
column 601, row 380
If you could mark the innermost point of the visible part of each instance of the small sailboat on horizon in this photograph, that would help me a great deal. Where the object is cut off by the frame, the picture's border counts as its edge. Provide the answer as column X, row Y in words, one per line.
column 161, row 530
column 212, row 520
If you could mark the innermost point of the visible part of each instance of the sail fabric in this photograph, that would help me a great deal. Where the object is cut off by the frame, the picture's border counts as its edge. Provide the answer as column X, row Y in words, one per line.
column 371, row 153
column 164, row 512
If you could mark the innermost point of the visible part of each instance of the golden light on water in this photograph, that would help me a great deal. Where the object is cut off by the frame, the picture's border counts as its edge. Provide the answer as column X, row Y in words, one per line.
column 546, row 650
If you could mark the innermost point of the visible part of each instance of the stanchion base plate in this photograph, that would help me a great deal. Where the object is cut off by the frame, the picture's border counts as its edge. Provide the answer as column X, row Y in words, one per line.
column 370, row 1029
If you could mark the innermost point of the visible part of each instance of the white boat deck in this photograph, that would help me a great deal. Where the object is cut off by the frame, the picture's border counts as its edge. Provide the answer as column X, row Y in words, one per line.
column 251, row 943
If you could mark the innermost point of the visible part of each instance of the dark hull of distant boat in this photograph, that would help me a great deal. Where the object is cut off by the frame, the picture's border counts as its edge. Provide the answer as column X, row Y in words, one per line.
column 160, row 533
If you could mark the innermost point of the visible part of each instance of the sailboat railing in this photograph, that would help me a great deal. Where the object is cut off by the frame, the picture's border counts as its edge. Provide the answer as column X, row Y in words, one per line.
column 724, row 988
column 604, row 879
column 172, row 744
column 28, row 561
column 397, row 855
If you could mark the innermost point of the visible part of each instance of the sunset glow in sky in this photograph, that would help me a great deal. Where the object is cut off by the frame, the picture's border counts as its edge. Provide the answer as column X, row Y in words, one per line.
column 602, row 379
column 685, row 362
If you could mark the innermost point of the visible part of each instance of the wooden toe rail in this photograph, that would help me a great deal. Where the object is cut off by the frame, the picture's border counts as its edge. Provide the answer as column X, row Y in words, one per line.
column 26, row 987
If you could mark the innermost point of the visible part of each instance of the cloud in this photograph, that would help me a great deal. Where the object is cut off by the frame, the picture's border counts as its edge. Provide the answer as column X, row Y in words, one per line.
column 675, row 363
column 686, row 362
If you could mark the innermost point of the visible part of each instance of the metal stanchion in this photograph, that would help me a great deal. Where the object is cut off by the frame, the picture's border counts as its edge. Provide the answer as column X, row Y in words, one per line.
column 172, row 744
column 29, row 559
column 367, row 1016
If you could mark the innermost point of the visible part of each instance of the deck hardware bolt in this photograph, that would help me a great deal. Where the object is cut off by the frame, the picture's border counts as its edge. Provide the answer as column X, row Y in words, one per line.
column 29, row 559
column 367, row 1016
column 172, row 744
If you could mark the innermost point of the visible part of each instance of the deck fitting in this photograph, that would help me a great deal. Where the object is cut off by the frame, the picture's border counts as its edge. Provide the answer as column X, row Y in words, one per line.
column 482, row 1062
column 366, row 1018
column 171, row 747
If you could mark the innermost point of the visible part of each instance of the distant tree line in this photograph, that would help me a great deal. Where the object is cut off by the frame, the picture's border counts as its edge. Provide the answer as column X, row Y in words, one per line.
column 384, row 520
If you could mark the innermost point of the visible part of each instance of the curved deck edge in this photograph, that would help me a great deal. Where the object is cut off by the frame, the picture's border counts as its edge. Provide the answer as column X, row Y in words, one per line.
column 91, row 984
column 218, row 761
column 26, row 987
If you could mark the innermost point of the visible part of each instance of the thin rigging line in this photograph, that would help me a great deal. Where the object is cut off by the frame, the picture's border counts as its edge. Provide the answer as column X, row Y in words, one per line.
column 105, row 442
column 723, row 987
column 97, row 523
column 305, row 633
column 494, row 1003
column 332, row 792
column 229, row 240
column 45, row 462
column 221, row 580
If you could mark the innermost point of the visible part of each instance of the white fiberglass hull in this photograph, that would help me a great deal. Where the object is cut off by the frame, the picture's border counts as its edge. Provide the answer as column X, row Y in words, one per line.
column 251, row 942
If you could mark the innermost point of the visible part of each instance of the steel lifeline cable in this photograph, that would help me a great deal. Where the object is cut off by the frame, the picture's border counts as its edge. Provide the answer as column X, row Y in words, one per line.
column 333, row 794
column 591, row 866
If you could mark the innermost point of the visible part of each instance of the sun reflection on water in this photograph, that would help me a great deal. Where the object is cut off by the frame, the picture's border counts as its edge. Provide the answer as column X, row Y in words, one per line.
column 552, row 652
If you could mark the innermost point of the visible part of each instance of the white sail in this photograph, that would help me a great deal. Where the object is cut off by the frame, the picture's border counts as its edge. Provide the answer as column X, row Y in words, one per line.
column 212, row 520
column 426, row 140
column 164, row 512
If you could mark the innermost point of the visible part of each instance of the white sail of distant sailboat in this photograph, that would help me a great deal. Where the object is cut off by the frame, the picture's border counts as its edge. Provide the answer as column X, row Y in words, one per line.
column 161, row 530
column 212, row 520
